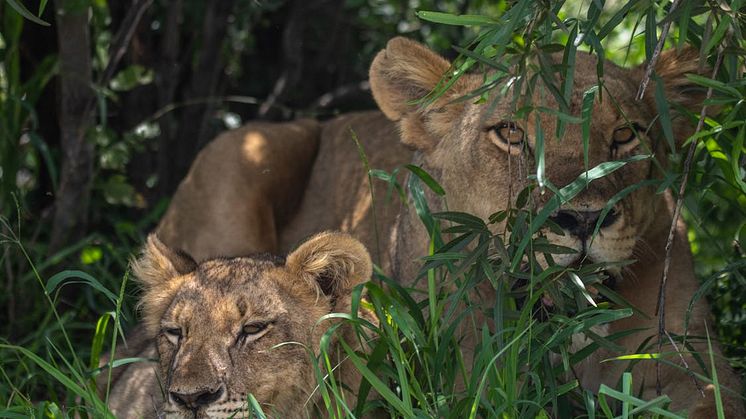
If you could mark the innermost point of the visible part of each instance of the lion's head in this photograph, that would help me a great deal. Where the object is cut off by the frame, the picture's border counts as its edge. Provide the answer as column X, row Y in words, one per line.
column 227, row 328
column 479, row 147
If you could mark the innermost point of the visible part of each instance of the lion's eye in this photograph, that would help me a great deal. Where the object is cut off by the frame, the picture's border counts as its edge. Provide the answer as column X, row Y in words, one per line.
column 252, row 331
column 509, row 132
column 508, row 136
column 173, row 334
column 253, row 328
column 627, row 134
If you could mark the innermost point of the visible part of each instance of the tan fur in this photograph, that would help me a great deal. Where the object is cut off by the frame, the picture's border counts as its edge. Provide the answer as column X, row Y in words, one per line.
column 236, row 210
column 456, row 143
column 210, row 305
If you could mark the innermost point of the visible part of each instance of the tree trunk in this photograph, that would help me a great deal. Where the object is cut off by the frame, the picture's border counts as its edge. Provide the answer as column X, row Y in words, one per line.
column 73, row 194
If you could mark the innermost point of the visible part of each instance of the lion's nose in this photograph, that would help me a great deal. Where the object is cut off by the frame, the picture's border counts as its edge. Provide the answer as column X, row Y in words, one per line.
column 583, row 223
column 194, row 401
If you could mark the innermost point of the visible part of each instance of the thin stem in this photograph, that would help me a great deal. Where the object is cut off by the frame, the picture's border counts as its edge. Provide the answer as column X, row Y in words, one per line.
column 661, row 307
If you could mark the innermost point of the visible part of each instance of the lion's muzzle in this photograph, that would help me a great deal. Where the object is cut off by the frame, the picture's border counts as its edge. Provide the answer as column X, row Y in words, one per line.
column 197, row 400
column 582, row 223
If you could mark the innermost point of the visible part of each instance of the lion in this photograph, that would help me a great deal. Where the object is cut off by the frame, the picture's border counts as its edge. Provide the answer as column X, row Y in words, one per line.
column 227, row 328
column 481, row 155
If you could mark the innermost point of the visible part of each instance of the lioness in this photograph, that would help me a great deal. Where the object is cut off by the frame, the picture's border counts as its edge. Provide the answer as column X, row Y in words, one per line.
column 480, row 155
column 229, row 327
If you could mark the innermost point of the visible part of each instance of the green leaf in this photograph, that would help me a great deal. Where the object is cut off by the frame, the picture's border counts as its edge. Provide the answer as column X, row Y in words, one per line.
column 717, row 36
column 98, row 340
column 131, row 77
column 603, row 169
column 462, row 218
column 381, row 387
column 585, row 113
column 714, row 84
column 90, row 255
column 425, row 177
column 539, row 153
column 42, row 6
column 256, row 408
column 61, row 377
column 581, row 286
column 451, row 19
column 23, row 11
column 715, row 381
column 615, row 20
column 652, row 406
column 58, row 279
column 117, row 191
column 663, row 112
column 635, row 356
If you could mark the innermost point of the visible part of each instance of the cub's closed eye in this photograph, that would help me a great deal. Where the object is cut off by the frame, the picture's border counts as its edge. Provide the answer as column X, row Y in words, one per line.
column 173, row 331
column 252, row 331
column 173, row 334
column 254, row 328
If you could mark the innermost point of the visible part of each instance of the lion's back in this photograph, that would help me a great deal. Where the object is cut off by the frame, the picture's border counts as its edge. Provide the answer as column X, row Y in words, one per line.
column 338, row 195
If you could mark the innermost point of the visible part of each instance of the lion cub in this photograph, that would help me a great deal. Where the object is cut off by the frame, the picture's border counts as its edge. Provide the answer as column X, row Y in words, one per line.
column 229, row 327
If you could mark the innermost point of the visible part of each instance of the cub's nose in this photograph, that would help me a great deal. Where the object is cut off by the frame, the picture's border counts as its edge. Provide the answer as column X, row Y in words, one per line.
column 194, row 401
column 582, row 223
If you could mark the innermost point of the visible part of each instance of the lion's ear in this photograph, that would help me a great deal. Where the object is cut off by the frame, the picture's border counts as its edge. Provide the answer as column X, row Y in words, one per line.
column 402, row 73
column 159, row 263
column 335, row 262
column 681, row 93
column 156, row 270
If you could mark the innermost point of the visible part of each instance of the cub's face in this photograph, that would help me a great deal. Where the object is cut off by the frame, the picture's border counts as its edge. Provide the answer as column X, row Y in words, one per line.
column 228, row 328
column 484, row 155
column 232, row 330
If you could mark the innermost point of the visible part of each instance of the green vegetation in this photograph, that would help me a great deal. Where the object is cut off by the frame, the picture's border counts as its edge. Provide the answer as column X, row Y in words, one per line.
column 62, row 307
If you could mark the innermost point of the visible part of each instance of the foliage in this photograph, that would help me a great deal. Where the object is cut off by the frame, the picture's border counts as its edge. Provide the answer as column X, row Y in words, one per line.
column 50, row 351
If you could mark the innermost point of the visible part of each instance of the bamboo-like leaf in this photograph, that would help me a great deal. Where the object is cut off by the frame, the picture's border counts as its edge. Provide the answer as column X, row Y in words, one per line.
column 23, row 11
column 581, row 286
column 539, row 152
column 663, row 112
column 615, row 20
column 586, row 113
column 717, row 36
column 425, row 177
column 458, row 20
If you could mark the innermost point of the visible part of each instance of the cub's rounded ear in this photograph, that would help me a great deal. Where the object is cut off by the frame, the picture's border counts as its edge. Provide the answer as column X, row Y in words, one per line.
column 157, row 270
column 159, row 263
column 334, row 262
column 402, row 73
